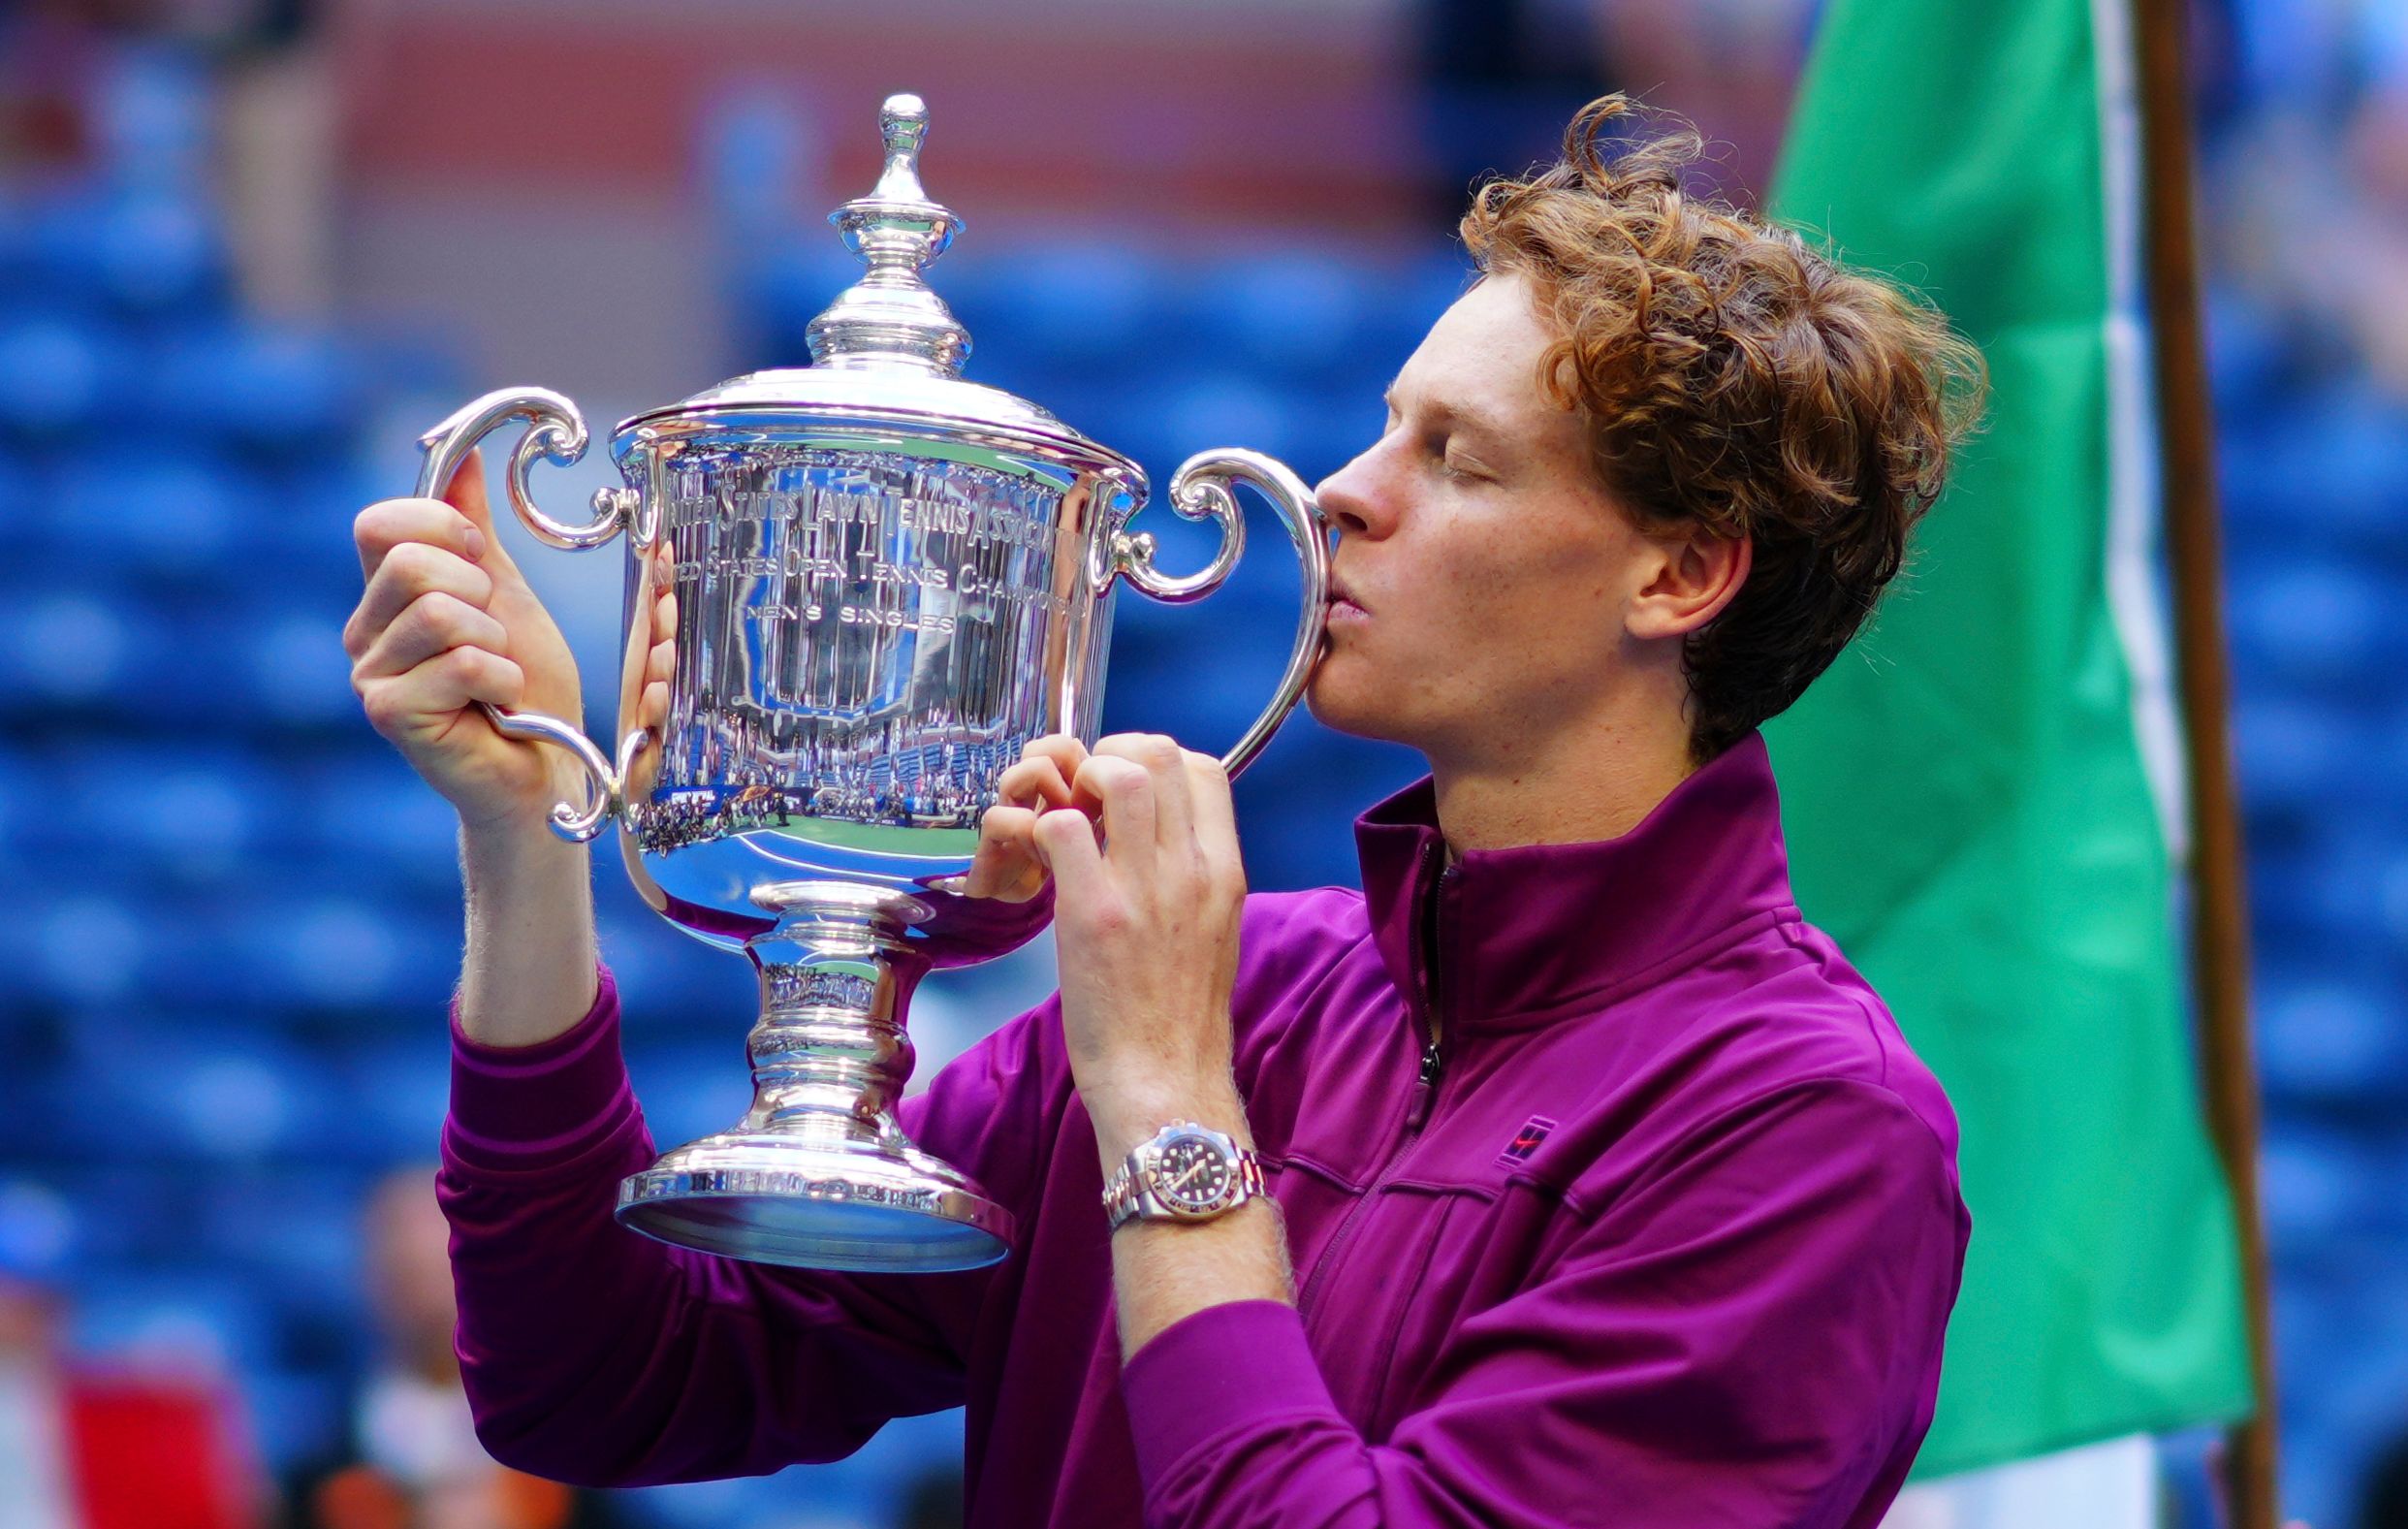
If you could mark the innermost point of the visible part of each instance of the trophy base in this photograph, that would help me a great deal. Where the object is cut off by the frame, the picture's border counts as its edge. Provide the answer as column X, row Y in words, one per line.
column 840, row 1204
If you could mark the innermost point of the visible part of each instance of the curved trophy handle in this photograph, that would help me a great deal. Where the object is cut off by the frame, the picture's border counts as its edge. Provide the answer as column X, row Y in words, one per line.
column 605, row 785
column 1201, row 490
column 556, row 433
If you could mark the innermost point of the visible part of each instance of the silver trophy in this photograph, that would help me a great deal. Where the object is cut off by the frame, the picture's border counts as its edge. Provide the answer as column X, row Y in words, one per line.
column 854, row 592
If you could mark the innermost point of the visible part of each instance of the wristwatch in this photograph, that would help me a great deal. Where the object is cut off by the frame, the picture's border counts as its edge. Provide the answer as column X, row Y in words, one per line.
column 1186, row 1172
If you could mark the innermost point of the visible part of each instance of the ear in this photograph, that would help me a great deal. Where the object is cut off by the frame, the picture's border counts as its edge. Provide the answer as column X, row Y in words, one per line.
column 1698, row 574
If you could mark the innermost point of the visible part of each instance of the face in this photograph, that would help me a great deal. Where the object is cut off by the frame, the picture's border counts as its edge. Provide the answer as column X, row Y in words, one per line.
column 1485, row 580
column 410, row 1268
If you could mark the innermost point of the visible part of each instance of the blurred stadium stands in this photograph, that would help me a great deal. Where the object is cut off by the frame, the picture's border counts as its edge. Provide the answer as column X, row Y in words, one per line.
column 221, row 1004
column 236, row 925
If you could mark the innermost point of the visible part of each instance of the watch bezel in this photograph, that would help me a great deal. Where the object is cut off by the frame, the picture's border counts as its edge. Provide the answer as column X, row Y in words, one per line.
column 1232, row 1187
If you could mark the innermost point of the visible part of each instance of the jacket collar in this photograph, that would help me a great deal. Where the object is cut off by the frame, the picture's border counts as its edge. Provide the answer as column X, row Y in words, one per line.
column 1522, row 930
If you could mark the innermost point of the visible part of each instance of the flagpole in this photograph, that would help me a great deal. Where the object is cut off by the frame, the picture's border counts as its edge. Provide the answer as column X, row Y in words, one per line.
column 2218, row 910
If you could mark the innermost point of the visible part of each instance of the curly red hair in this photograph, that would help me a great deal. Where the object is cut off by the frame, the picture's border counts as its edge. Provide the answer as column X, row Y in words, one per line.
column 1734, row 378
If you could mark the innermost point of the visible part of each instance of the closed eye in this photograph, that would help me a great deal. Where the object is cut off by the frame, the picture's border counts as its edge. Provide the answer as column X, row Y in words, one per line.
column 1464, row 469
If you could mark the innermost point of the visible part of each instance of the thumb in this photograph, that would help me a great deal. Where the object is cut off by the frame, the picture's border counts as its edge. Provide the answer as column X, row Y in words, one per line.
column 465, row 493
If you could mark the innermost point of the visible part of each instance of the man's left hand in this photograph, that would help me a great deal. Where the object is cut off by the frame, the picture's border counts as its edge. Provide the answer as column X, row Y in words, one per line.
column 1147, row 893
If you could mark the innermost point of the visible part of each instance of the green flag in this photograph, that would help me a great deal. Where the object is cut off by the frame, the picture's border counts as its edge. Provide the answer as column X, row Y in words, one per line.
column 1984, row 793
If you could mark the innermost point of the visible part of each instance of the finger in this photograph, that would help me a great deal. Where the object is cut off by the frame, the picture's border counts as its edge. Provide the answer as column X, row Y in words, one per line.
column 1216, row 814
column 408, row 573
column 430, row 695
column 1066, row 847
column 1035, row 782
column 1125, row 794
column 388, row 524
column 665, row 614
column 433, row 623
column 1005, row 865
column 1065, row 752
column 1166, row 764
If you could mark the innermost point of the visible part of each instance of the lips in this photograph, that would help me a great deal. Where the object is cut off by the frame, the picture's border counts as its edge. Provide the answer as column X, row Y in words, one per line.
column 1341, row 595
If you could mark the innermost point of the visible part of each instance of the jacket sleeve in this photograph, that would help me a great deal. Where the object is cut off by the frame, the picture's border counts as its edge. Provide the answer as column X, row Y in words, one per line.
column 594, row 1356
column 1749, row 1337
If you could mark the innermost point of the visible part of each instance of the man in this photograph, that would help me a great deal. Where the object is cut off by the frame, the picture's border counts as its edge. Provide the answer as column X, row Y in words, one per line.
column 1600, row 1189
column 410, row 1455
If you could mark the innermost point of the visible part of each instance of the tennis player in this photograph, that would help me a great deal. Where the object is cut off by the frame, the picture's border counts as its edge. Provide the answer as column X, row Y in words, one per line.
column 1563, row 1175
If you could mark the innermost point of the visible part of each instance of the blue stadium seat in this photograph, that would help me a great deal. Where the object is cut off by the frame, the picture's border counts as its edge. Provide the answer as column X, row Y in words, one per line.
column 2298, row 751
column 176, row 514
column 1302, row 313
column 364, row 814
column 333, row 945
column 1065, row 302
column 144, row 250
column 286, row 390
column 2331, row 1035
column 291, row 663
column 55, row 372
column 2312, row 621
column 392, row 1093
column 213, row 1091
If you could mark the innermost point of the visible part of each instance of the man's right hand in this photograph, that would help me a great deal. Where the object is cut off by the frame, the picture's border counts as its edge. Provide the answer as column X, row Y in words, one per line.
column 447, row 621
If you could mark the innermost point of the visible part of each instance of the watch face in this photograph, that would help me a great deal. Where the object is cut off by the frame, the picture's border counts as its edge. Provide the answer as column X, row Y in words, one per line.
column 1191, row 1173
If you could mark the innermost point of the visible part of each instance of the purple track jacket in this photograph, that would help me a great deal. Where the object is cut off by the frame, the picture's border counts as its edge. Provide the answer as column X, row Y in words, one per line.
column 1664, row 1234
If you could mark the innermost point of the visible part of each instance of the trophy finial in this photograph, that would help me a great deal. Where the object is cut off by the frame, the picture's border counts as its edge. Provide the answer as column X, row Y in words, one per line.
column 890, row 318
column 903, row 124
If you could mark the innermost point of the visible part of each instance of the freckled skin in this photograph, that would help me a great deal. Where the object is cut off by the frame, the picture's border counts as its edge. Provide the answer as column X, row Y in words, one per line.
column 1497, row 570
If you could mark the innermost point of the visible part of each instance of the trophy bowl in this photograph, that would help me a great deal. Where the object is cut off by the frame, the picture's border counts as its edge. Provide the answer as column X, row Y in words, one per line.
column 854, row 592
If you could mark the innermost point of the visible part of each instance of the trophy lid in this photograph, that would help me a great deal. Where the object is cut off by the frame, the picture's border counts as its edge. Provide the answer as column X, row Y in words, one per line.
column 888, row 350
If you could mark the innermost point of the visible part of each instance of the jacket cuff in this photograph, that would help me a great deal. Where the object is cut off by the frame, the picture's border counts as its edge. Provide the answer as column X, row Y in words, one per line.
column 515, row 1108
column 1236, row 1365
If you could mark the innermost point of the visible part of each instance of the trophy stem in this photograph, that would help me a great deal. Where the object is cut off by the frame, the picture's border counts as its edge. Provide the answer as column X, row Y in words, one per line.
column 829, row 1054
column 818, row 1174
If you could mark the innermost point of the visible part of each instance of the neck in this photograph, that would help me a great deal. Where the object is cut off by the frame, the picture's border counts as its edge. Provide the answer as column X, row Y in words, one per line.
column 1577, row 786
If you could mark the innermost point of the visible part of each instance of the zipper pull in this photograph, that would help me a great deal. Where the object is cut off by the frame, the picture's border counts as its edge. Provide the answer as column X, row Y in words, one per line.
column 1425, row 1091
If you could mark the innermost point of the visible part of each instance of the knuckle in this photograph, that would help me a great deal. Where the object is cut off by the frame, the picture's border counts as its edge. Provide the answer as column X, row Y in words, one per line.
column 374, row 525
column 415, row 565
column 433, row 614
column 379, row 704
column 1061, row 828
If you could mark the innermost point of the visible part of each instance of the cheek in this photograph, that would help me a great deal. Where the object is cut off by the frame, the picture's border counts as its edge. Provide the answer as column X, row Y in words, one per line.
column 1521, row 595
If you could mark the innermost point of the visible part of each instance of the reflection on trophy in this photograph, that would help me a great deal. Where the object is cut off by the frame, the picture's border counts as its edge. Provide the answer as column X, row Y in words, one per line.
column 855, row 591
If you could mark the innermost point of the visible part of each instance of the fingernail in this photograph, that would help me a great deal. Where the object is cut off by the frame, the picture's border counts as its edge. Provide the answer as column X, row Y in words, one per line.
column 474, row 541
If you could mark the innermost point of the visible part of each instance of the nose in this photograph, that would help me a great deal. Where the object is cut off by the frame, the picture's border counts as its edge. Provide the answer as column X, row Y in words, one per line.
column 1349, row 498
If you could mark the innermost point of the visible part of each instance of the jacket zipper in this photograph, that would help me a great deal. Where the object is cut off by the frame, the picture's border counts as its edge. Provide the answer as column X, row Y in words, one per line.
column 1416, row 1111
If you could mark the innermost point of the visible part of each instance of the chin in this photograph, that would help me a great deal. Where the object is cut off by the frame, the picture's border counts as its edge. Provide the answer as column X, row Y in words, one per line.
column 1349, row 702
